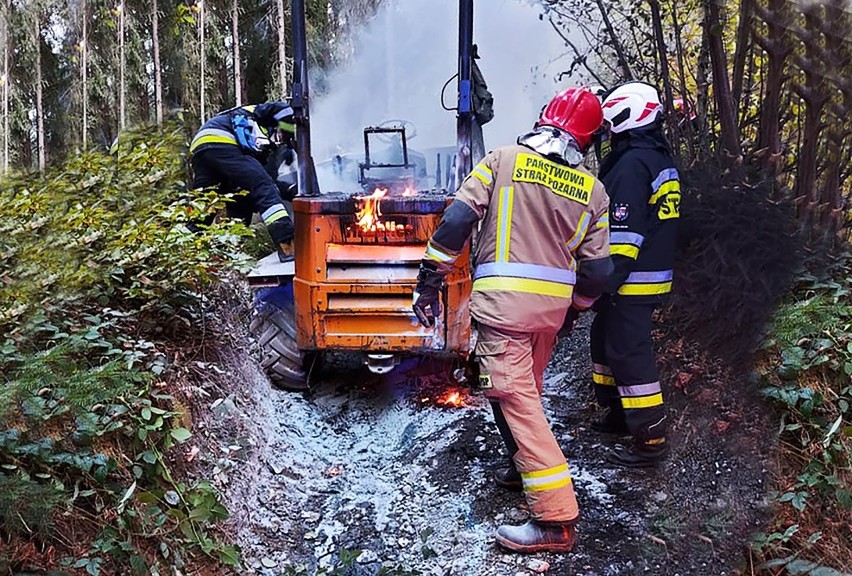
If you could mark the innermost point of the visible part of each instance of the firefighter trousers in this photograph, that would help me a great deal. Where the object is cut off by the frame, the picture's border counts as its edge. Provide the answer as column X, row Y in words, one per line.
column 232, row 170
column 624, row 369
column 511, row 369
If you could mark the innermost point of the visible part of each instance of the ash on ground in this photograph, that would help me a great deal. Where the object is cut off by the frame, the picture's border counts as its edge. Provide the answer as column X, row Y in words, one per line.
column 370, row 473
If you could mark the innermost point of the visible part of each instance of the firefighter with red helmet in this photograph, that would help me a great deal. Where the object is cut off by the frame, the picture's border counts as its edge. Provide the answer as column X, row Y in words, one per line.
column 644, row 189
column 543, row 246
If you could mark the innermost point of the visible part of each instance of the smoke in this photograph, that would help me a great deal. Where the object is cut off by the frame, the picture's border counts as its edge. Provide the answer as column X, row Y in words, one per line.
column 405, row 55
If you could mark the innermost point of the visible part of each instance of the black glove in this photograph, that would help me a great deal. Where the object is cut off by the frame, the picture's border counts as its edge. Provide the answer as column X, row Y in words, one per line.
column 568, row 325
column 281, row 230
column 427, row 303
column 286, row 190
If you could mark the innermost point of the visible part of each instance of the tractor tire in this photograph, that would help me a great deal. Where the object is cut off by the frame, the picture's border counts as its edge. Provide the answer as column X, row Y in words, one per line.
column 274, row 327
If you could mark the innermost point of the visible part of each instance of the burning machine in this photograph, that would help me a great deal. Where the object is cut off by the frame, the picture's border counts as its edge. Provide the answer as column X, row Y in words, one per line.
column 358, row 255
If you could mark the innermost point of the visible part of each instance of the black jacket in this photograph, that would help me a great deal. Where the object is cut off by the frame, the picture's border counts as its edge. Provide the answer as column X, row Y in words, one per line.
column 644, row 190
column 233, row 128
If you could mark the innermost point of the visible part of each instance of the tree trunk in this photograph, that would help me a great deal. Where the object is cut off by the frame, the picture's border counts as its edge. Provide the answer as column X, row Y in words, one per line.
column 5, row 79
column 702, row 107
column 742, row 49
column 814, row 95
column 729, row 132
column 202, row 56
column 282, row 49
column 84, row 65
column 39, row 90
column 122, row 102
column 158, row 77
column 657, row 23
column 777, row 51
column 235, row 38
column 616, row 43
column 688, row 106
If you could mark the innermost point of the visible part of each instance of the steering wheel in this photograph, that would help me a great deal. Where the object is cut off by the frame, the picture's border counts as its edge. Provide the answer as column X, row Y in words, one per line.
column 410, row 130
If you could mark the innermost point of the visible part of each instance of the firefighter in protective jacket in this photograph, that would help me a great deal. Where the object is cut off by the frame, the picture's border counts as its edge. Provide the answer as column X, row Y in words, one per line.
column 230, row 151
column 644, row 190
column 543, row 244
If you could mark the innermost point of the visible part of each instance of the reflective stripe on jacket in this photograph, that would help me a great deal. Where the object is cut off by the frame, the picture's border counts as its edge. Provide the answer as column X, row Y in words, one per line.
column 644, row 190
column 538, row 219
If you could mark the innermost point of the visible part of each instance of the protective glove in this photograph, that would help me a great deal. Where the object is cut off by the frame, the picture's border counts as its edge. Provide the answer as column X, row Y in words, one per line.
column 282, row 233
column 426, row 301
column 287, row 190
column 568, row 325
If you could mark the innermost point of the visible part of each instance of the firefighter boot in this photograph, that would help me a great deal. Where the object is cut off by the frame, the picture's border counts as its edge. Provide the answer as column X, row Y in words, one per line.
column 647, row 454
column 613, row 423
column 537, row 537
column 508, row 478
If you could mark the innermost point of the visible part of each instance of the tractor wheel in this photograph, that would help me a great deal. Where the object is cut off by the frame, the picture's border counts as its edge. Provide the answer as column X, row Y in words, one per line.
column 274, row 327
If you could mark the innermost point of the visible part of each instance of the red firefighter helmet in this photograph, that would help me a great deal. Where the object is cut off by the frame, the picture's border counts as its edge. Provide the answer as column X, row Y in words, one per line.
column 577, row 111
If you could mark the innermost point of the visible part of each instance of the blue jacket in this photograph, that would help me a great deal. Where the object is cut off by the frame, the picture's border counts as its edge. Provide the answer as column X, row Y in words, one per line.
column 644, row 189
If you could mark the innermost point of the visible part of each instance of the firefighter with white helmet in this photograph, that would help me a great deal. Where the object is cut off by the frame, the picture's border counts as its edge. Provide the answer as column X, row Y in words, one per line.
column 644, row 188
column 543, row 247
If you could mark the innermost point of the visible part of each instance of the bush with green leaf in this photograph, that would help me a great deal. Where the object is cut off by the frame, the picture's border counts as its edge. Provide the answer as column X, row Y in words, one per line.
column 809, row 378
column 106, row 266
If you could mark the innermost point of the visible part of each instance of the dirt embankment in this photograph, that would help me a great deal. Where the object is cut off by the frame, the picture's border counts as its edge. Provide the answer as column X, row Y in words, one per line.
column 379, row 467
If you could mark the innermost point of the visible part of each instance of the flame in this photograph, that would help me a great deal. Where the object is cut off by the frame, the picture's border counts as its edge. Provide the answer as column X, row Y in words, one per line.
column 408, row 192
column 452, row 399
column 370, row 212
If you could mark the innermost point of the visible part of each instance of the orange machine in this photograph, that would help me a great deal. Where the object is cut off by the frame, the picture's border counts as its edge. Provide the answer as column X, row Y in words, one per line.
column 358, row 255
column 356, row 269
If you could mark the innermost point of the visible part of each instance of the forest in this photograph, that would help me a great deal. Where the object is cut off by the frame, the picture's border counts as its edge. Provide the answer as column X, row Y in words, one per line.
column 119, row 327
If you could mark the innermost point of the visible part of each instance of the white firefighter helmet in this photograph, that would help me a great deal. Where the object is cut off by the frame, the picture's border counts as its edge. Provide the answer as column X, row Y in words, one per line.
column 632, row 105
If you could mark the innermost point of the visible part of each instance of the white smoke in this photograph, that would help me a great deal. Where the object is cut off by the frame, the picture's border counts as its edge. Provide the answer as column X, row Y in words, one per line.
column 406, row 54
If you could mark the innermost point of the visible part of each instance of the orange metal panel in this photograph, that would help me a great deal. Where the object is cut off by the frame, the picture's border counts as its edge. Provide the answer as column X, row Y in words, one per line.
column 358, row 296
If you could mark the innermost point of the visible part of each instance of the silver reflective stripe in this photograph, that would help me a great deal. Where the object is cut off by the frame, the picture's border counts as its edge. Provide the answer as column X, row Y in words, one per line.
column 601, row 369
column 272, row 210
column 649, row 277
column 482, row 171
column 214, row 132
column 580, row 233
column 663, row 177
column 284, row 113
column 531, row 483
column 582, row 302
column 640, row 389
column 626, row 238
column 530, row 271
column 438, row 255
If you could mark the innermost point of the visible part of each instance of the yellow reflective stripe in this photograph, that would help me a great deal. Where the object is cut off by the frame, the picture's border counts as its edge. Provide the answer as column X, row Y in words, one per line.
column 549, row 485
column 250, row 108
column 277, row 216
column 484, row 174
column 624, row 250
column 643, row 402
column 670, row 186
column 645, row 289
column 603, row 379
column 603, row 221
column 546, row 472
column 505, row 203
column 211, row 140
column 541, row 287
column 438, row 255
column 580, row 232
